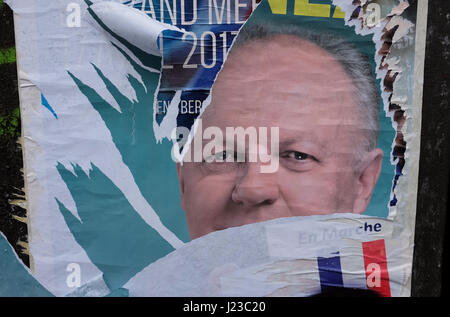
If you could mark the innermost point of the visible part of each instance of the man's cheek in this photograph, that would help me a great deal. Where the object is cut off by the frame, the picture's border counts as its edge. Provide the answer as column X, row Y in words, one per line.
column 205, row 207
column 310, row 193
column 210, row 194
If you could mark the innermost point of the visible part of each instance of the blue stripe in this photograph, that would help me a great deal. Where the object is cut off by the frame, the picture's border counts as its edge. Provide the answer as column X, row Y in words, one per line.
column 330, row 272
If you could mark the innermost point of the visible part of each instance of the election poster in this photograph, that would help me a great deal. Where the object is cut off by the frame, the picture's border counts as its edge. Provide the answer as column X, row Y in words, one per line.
column 225, row 148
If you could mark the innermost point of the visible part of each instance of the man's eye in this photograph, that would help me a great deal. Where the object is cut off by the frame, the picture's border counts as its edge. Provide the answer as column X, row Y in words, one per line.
column 220, row 156
column 217, row 163
column 299, row 156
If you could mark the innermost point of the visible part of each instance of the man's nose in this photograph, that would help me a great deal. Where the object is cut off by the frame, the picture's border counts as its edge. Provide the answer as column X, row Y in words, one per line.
column 255, row 188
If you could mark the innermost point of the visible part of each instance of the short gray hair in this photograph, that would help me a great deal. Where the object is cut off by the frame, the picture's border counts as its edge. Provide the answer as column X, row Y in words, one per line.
column 355, row 64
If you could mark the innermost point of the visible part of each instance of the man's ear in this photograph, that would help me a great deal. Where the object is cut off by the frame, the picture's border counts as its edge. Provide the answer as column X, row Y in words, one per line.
column 368, row 174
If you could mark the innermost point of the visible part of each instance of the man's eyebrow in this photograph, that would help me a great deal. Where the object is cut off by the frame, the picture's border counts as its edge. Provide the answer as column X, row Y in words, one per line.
column 310, row 138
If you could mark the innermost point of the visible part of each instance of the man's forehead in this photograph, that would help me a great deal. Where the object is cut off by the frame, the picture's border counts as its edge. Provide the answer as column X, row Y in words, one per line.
column 281, row 65
column 280, row 80
column 279, row 49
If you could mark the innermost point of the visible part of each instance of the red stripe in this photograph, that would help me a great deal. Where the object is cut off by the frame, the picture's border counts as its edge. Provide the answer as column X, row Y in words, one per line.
column 375, row 265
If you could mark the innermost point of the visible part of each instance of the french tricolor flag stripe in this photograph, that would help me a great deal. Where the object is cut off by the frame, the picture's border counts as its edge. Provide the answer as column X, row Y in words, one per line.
column 375, row 265
column 330, row 272
column 352, row 264
column 369, row 271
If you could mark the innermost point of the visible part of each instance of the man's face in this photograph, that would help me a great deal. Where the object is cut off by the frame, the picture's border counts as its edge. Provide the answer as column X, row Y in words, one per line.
column 300, row 88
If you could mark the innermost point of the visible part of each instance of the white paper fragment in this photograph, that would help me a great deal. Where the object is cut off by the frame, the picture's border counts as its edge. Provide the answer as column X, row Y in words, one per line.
column 131, row 24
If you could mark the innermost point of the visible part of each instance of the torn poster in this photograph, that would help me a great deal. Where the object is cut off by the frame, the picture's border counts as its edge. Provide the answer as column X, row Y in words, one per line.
column 218, row 147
